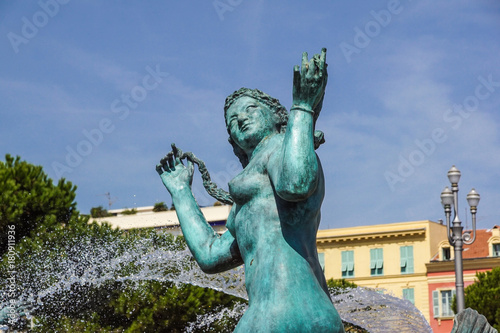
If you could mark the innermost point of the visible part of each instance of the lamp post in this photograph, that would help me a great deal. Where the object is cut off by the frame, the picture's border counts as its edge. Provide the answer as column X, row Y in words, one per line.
column 456, row 238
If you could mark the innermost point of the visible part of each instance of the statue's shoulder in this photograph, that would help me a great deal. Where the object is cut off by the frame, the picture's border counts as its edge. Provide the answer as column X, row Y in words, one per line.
column 276, row 141
column 273, row 145
column 269, row 146
column 274, row 150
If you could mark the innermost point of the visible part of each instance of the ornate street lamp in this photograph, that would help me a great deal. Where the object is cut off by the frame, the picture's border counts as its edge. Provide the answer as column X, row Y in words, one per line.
column 456, row 238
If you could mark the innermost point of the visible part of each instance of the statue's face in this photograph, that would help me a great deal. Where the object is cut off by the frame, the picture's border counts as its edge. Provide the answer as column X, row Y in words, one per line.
column 249, row 121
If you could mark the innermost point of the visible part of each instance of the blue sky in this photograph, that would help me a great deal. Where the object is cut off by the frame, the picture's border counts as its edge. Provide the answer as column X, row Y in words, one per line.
column 96, row 91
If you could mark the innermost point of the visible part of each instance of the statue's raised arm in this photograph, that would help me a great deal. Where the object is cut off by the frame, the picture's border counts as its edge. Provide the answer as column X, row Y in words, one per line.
column 309, row 83
column 295, row 171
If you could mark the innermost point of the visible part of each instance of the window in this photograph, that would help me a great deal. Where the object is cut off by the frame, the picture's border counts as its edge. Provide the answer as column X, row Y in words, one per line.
column 376, row 262
column 347, row 263
column 406, row 255
column 321, row 259
column 441, row 301
column 446, row 253
column 496, row 250
column 409, row 294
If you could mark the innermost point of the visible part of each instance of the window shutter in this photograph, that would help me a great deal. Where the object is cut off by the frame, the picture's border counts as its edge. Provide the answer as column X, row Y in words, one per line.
column 350, row 260
column 344, row 263
column 347, row 263
column 321, row 259
column 409, row 294
column 409, row 259
column 435, row 303
column 402, row 254
column 380, row 258
column 496, row 250
column 406, row 253
column 373, row 258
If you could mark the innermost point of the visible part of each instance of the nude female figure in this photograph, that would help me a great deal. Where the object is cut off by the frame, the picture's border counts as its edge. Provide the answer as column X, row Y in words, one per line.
column 276, row 212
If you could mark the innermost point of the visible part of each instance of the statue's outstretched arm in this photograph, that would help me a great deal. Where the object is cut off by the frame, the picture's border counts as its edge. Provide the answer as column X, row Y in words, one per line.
column 295, row 171
column 213, row 253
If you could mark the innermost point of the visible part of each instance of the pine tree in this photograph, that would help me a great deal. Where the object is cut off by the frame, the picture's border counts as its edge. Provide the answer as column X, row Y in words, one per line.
column 29, row 198
column 484, row 296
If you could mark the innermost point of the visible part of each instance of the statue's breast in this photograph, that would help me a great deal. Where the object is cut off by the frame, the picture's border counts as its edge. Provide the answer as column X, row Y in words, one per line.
column 253, row 182
column 250, row 183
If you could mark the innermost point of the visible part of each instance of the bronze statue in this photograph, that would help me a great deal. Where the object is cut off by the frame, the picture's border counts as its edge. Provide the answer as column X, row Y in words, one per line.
column 276, row 212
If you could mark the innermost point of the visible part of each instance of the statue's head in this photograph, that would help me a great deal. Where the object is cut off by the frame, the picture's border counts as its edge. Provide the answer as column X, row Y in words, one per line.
column 277, row 113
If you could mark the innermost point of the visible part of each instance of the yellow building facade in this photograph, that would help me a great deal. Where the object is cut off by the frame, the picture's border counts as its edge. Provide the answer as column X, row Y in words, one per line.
column 387, row 256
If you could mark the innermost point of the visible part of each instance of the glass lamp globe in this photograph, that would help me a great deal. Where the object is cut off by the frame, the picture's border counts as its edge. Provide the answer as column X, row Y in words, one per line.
column 446, row 197
column 473, row 198
column 454, row 175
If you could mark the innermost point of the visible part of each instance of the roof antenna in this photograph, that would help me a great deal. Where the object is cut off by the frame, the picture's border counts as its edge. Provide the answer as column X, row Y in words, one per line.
column 110, row 200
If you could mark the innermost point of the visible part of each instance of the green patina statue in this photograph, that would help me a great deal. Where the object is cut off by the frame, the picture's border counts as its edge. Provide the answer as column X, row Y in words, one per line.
column 276, row 212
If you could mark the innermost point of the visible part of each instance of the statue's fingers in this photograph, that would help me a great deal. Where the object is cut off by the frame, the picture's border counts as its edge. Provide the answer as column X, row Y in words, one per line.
column 317, row 60
column 312, row 67
column 170, row 160
column 305, row 64
column 159, row 169
column 296, row 78
column 322, row 60
column 164, row 163
column 177, row 153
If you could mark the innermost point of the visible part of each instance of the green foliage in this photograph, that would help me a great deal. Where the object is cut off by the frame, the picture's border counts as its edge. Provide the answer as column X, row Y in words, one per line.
column 129, row 211
column 113, row 305
column 351, row 328
column 71, row 325
column 29, row 199
column 484, row 296
column 338, row 286
column 51, row 252
column 160, row 207
column 99, row 211
column 149, row 306
column 162, row 307
column 53, row 241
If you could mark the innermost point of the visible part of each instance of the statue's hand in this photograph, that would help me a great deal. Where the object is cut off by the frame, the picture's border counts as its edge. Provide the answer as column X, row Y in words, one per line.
column 309, row 82
column 174, row 174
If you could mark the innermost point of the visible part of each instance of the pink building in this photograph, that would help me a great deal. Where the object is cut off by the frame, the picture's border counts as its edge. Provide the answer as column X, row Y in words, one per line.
column 482, row 255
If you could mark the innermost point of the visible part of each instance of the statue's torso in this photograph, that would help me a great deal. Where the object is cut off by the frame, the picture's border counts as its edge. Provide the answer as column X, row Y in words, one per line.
column 277, row 240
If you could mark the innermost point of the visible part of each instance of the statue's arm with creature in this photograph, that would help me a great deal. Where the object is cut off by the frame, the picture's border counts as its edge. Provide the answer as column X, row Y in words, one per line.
column 213, row 252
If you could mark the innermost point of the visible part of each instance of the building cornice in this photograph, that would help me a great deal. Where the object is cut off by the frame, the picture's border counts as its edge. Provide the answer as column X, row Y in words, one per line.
column 409, row 277
column 468, row 264
column 371, row 235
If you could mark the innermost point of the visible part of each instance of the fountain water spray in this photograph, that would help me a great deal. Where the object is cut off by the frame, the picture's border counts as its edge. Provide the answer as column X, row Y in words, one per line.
column 49, row 278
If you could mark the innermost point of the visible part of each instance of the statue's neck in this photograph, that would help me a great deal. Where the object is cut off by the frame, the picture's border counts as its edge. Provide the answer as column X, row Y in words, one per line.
column 260, row 146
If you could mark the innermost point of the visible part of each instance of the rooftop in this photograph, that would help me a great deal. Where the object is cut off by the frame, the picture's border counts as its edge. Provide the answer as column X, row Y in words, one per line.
column 146, row 218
